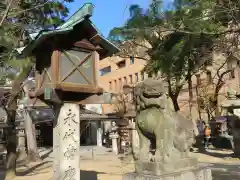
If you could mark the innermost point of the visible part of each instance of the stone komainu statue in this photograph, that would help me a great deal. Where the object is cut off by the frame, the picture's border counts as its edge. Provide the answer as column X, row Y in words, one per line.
column 159, row 125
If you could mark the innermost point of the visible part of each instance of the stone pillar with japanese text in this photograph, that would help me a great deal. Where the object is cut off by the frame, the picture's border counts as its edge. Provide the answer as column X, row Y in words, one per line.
column 56, row 144
column 67, row 143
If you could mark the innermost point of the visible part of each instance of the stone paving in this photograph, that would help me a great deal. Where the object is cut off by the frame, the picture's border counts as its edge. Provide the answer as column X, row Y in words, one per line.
column 101, row 164
column 223, row 165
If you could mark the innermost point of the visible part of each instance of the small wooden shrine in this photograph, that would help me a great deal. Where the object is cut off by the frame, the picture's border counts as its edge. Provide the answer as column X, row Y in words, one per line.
column 67, row 59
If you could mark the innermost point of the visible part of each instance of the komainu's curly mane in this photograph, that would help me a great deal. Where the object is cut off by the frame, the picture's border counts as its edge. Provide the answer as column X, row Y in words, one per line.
column 151, row 93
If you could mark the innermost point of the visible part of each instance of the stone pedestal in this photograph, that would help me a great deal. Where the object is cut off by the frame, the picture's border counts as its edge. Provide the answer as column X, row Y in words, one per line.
column 99, row 134
column 236, row 133
column 197, row 173
column 67, row 143
column 114, row 138
column 135, row 137
column 159, row 168
column 30, row 130
column 21, row 145
column 236, row 149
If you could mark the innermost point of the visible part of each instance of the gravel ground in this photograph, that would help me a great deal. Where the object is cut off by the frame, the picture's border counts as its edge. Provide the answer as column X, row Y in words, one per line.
column 100, row 164
column 224, row 166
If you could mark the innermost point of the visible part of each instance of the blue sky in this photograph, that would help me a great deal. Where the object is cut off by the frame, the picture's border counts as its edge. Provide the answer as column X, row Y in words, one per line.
column 108, row 13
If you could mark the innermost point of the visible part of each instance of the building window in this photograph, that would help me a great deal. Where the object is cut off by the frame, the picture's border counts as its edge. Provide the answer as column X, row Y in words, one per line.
column 130, row 79
column 142, row 76
column 209, row 77
column 131, row 60
column 105, row 70
column 136, row 77
column 125, row 80
column 115, row 84
column 130, row 96
column 121, row 64
column 110, row 85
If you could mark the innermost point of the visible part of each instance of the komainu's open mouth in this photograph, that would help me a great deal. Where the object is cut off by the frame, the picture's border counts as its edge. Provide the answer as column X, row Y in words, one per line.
column 151, row 92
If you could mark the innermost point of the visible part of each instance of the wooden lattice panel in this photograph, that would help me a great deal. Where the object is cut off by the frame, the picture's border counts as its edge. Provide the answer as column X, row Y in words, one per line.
column 77, row 67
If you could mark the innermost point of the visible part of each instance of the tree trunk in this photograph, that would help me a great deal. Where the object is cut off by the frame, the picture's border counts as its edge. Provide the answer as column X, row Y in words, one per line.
column 30, row 130
column 198, row 104
column 175, row 102
column 190, row 93
column 219, row 86
column 174, row 95
column 217, row 112
column 10, row 168
column 215, row 101
column 11, row 134
column 208, row 114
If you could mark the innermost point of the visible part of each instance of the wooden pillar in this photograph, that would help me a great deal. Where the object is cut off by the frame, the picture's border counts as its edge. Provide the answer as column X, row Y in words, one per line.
column 67, row 143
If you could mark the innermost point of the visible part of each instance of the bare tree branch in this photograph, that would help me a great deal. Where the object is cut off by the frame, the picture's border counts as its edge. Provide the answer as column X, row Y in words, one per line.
column 6, row 12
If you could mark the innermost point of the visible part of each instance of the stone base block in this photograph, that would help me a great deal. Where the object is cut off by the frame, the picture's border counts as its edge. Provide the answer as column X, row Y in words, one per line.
column 158, row 168
column 198, row 173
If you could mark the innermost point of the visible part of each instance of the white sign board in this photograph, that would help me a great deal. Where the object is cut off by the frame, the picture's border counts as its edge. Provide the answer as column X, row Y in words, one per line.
column 236, row 112
column 94, row 107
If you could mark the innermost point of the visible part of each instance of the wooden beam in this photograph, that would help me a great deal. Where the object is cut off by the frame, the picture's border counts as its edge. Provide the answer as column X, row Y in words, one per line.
column 105, row 98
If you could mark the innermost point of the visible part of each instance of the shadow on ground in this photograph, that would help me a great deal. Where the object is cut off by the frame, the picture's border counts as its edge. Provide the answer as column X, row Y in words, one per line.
column 39, row 167
column 2, row 175
column 89, row 175
column 215, row 154
column 45, row 155
column 225, row 172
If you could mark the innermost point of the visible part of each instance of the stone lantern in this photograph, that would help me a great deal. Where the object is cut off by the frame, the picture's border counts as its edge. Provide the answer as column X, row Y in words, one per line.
column 66, row 76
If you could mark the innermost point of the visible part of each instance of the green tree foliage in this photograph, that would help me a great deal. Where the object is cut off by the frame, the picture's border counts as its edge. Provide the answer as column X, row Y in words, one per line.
column 175, row 43
column 18, row 19
column 49, row 12
column 24, row 17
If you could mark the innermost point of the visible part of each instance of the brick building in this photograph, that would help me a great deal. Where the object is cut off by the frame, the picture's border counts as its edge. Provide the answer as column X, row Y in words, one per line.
column 115, row 72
